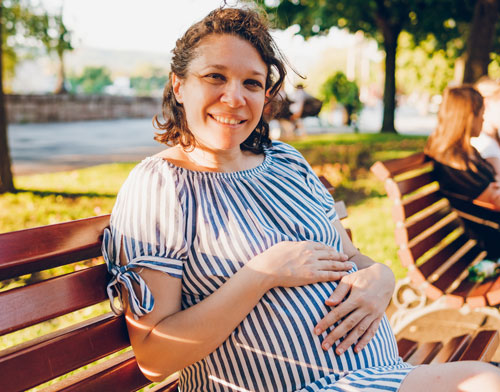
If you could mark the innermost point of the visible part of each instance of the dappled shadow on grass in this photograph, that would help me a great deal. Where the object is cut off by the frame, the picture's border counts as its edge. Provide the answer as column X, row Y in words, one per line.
column 70, row 195
column 355, row 196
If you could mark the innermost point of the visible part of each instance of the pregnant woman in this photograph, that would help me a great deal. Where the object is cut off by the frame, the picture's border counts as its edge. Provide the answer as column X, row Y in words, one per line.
column 226, row 250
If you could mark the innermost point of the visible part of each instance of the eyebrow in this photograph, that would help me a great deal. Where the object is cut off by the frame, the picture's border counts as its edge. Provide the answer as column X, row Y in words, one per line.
column 223, row 67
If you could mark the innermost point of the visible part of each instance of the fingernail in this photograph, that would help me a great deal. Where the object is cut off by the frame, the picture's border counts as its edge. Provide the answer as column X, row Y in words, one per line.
column 340, row 351
column 326, row 345
column 317, row 331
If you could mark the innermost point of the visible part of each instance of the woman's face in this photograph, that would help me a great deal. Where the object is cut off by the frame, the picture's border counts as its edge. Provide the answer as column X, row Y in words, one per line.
column 224, row 92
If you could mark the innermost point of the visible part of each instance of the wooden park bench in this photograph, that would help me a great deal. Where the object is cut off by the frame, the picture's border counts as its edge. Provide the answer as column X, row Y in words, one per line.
column 86, row 345
column 432, row 232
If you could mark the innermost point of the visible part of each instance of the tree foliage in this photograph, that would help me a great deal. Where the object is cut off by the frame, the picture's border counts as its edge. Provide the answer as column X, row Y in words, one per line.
column 337, row 88
column 150, row 83
column 423, row 68
column 382, row 20
column 25, row 26
column 51, row 31
column 93, row 80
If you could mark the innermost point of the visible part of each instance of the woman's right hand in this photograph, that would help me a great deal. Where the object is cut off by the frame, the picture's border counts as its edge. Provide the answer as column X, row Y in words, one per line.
column 291, row 263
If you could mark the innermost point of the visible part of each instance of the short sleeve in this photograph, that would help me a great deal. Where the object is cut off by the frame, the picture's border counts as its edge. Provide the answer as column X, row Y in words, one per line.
column 486, row 146
column 147, row 225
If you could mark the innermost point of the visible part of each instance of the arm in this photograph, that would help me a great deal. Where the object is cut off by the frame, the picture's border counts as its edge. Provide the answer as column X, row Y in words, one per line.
column 367, row 292
column 168, row 338
column 491, row 194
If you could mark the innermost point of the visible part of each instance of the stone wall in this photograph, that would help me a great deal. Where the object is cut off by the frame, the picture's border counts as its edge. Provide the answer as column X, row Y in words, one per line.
column 65, row 107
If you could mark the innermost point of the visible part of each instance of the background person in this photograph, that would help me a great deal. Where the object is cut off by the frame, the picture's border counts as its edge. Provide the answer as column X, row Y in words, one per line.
column 488, row 141
column 458, row 166
column 234, row 266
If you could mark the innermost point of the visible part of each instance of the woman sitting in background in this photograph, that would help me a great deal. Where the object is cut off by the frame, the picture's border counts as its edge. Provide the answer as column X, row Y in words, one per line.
column 458, row 167
column 488, row 142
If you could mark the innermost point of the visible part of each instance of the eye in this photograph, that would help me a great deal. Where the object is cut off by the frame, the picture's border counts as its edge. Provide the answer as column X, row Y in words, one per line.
column 253, row 83
column 216, row 77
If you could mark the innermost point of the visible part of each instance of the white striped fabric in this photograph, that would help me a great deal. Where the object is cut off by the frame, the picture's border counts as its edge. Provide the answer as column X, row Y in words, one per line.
column 202, row 227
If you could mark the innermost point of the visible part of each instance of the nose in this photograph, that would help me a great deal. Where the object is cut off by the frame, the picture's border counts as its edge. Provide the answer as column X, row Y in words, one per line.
column 233, row 95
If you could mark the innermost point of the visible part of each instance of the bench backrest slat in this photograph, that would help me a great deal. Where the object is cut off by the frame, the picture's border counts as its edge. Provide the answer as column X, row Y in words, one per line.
column 26, row 251
column 25, row 306
column 413, row 205
column 455, row 270
column 406, row 348
column 432, row 239
column 483, row 346
column 116, row 374
column 416, row 228
column 412, row 184
column 71, row 349
column 440, row 257
column 425, row 353
column 453, row 349
column 393, row 167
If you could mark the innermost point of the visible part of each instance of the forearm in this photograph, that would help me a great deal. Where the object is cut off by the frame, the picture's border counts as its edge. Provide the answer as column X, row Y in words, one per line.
column 189, row 335
column 361, row 260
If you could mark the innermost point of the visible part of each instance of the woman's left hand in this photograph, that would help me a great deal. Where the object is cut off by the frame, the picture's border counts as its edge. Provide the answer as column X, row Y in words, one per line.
column 367, row 293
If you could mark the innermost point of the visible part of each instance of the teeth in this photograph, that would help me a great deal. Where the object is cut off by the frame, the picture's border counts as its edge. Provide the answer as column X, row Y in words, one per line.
column 225, row 120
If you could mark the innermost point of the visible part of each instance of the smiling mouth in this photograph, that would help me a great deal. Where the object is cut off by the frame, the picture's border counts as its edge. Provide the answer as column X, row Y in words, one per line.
column 226, row 121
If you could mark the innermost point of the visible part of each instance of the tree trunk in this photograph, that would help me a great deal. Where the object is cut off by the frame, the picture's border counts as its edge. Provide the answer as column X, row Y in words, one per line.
column 480, row 42
column 390, row 85
column 61, row 77
column 390, row 32
column 6, row 181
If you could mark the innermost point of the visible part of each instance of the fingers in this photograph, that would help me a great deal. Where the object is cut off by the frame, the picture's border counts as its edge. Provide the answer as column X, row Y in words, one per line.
column 330, row 276
column 368, row 335
column 339, row 294
column 353, row 328
column 331, row 254
column 329, row 265
column 335, row 315
column 355, row 333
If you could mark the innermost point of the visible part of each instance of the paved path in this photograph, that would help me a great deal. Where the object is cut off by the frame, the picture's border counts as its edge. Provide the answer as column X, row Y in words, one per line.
column 61, row 146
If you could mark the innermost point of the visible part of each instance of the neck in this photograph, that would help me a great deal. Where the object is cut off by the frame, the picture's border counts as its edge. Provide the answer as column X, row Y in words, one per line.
column 221, row 161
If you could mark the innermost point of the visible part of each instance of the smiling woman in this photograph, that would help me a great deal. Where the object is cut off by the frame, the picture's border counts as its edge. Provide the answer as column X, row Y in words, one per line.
column 227, row 251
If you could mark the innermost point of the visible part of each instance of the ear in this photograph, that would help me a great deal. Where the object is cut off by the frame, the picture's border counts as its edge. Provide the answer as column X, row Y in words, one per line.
column 177, row 87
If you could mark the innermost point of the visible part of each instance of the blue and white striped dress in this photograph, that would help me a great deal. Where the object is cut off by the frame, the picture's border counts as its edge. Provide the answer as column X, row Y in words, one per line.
column 202, row 227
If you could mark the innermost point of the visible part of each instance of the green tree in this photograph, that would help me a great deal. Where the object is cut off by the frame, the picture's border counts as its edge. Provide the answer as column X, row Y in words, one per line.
column 382, row 20
column 152, row 81
column 424, row 68
column 338, row 88
column 93, row 80
column 56, row 38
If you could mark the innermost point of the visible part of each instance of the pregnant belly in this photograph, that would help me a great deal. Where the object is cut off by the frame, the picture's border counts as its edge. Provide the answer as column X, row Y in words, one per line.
column 276, row 342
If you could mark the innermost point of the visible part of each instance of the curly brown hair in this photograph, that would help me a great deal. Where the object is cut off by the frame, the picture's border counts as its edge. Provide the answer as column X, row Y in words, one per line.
column 244, row 23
